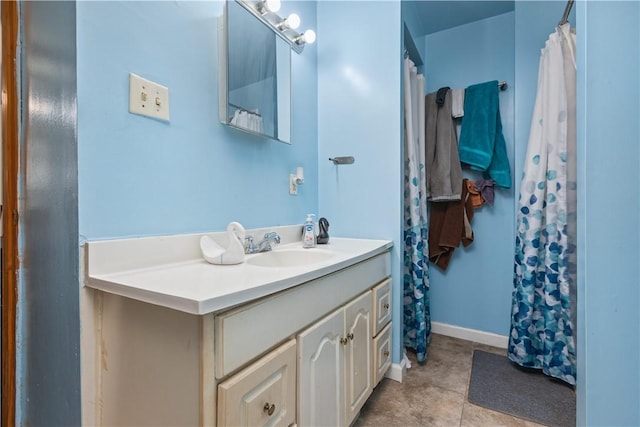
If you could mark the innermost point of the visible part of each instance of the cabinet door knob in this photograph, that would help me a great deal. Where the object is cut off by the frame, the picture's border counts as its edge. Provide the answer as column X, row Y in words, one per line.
column 386, row 305
column 350, row 336
column 269, row 409
column 344, row 341
column 386, row 353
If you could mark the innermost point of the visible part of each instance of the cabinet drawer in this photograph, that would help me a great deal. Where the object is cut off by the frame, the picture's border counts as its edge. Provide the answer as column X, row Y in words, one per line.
column 381, row 354
column 381, row 306
column 264, row 393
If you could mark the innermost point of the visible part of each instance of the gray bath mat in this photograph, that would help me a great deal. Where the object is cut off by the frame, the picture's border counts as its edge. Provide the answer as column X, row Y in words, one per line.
column 501, row 385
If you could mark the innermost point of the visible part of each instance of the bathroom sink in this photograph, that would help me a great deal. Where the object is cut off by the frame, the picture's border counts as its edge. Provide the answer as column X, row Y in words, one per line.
column 289, row 258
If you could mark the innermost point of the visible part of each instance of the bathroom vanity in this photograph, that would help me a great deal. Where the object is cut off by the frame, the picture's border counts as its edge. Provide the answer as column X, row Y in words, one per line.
column 289, row 337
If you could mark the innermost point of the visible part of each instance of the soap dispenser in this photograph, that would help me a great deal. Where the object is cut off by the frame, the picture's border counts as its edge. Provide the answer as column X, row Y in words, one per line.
column 309, row 233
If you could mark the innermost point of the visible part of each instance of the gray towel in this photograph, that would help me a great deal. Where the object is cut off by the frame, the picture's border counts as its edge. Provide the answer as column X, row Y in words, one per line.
column 457, row 103
column 442, row 164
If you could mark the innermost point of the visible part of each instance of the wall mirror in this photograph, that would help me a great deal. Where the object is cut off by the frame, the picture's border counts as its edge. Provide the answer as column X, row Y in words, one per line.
column 255, row 75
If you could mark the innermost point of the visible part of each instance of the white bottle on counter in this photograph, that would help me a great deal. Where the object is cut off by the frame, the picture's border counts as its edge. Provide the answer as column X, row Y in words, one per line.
column 309, row 233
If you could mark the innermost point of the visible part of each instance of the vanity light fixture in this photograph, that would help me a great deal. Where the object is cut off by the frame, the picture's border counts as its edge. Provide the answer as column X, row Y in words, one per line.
column 265, row 10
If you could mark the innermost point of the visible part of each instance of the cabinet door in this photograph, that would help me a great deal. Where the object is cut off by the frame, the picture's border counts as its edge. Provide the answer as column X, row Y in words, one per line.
column 320, row 369
column 381, row 306
column 262, row 394
column 358, row 378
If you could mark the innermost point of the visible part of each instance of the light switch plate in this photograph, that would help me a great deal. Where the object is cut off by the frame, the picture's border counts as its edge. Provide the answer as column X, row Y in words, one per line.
column 148, row 98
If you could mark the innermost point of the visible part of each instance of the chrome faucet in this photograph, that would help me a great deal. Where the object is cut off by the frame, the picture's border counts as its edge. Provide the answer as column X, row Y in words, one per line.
column 262, row 246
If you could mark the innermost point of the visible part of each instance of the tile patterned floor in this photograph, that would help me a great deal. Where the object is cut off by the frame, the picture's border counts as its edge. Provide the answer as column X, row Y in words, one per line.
column 435, row 394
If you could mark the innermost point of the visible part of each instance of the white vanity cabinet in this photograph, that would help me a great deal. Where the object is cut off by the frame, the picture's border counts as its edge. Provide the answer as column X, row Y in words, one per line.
column 304, row 354
column 335, row 365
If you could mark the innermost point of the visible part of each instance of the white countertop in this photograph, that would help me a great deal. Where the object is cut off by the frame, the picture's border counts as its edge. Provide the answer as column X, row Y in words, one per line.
column 170, row 271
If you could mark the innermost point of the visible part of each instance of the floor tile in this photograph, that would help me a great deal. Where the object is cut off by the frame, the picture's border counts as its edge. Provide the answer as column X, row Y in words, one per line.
column 448, row 366
column 442, row 407
column 379, row 401
column 477, row 416
column 387, row 407
column 408, row 405
column 449, row 343
column 435, row 393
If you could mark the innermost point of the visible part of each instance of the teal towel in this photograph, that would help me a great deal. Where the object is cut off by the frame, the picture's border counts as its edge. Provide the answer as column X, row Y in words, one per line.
column 482, row 144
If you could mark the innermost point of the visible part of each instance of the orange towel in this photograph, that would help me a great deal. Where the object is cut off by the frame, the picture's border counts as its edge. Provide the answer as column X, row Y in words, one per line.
column 475, row 196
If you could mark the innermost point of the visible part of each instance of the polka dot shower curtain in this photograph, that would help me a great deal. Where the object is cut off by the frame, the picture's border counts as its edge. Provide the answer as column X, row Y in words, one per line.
column 417, row 321
column 543, row 310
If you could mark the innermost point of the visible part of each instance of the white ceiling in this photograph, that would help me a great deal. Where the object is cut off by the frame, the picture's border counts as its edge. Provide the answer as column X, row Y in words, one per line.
column 433, row 16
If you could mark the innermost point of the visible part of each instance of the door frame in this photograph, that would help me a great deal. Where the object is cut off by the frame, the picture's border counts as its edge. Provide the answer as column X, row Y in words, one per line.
column 10, row 260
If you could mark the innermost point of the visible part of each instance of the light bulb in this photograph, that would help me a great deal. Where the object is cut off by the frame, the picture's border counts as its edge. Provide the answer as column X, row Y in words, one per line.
column 272, row 5
column 309, row 36
column 293, row 21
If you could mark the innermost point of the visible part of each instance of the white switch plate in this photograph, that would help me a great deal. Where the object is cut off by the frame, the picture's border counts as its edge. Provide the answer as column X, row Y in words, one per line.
column 293, row 186
column 148, row 98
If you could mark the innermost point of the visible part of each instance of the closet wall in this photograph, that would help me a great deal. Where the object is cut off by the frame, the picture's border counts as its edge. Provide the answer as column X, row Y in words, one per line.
column 475, row 291
column 608, row 296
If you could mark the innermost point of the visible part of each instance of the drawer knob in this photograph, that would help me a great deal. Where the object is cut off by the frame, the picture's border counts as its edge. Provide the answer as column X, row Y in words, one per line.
column 386, row 305
column 386, row 353
column 350, row 336
column 344, row 341
column 269, row 409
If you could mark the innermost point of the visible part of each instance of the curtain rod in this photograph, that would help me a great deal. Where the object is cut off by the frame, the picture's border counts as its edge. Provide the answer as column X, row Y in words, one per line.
column 567, row 11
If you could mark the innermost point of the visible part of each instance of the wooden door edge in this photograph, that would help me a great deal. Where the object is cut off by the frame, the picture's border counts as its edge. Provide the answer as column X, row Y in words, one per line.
column 10, row 145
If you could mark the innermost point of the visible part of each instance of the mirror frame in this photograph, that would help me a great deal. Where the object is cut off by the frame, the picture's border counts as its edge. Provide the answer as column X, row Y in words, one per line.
column 223, row 68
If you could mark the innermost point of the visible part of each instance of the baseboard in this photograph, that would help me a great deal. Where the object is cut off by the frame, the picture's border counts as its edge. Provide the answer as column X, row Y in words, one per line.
column 487, row 338
column 397, row 371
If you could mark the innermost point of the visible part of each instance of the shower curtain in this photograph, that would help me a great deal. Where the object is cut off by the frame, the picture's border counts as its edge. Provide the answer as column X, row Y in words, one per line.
column 543, row 315
column 417, row 320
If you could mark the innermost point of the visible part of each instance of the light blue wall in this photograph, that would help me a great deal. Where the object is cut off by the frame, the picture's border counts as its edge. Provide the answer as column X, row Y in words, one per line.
column 609, row 213
column 359, row 60
column 475, row 291
column 138, row 176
